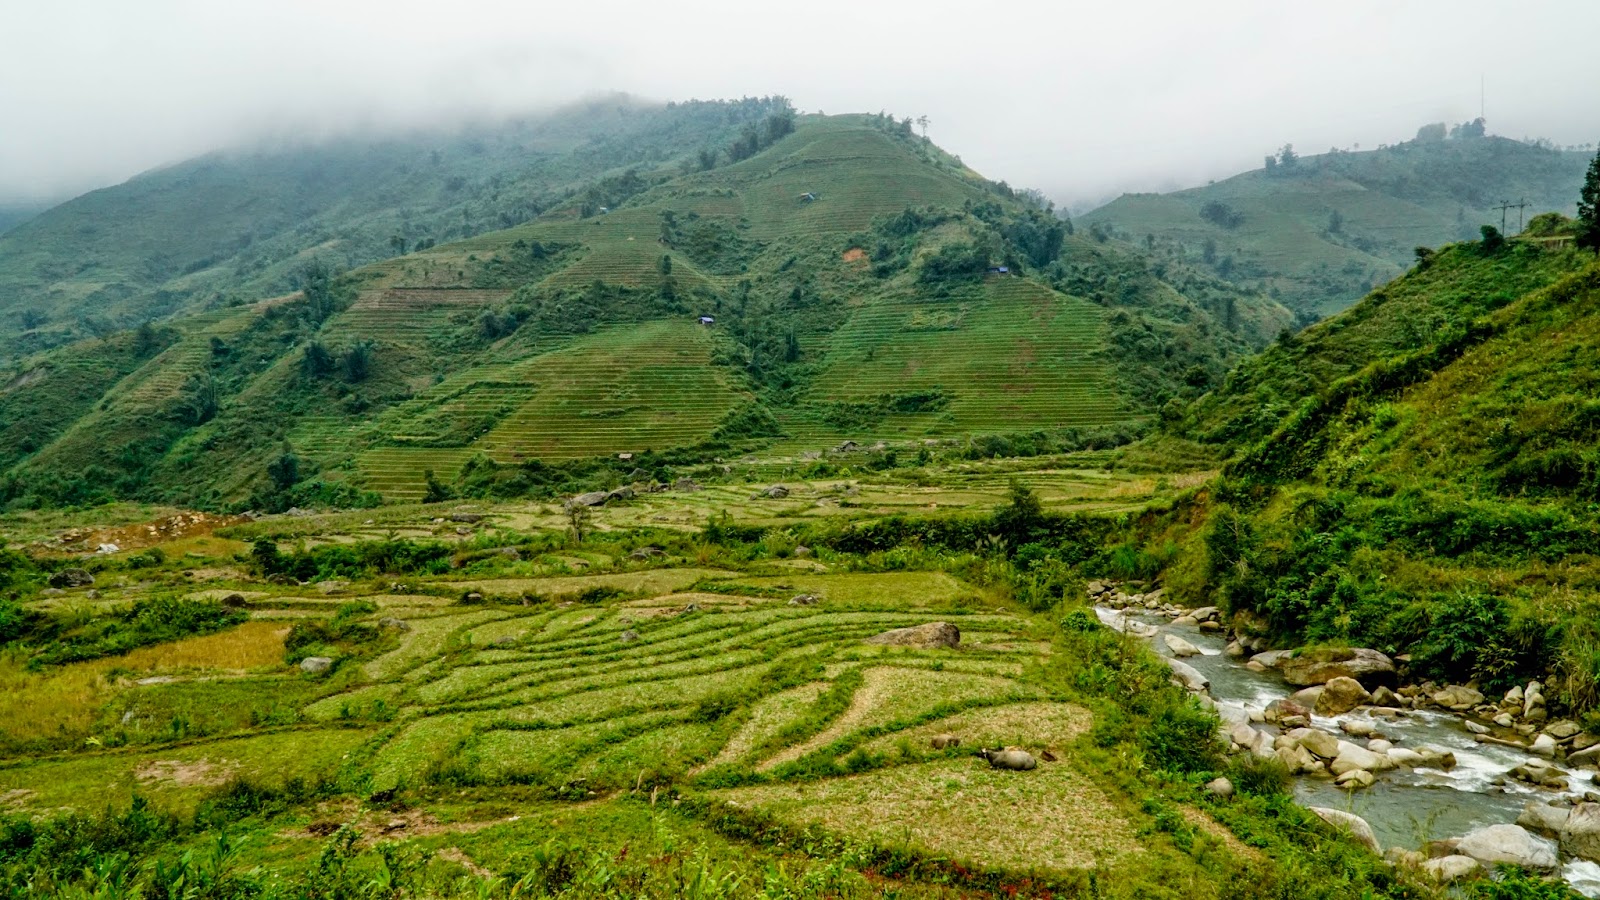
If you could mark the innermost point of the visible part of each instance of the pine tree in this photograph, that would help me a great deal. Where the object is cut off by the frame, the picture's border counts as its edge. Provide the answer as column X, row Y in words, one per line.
column 1589, row 208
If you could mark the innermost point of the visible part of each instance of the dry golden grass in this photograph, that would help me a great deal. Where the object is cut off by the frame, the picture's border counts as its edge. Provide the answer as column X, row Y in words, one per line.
column 66, row 700
column 60, row 701
column 253, row 645
column 1049, row 819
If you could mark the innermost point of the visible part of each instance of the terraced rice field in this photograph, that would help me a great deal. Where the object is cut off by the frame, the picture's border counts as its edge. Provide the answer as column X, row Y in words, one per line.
column 406, row 315
column 1016, row 357
column 623, row 389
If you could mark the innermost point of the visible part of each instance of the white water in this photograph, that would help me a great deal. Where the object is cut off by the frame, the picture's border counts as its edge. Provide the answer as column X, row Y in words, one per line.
column 1405, row 807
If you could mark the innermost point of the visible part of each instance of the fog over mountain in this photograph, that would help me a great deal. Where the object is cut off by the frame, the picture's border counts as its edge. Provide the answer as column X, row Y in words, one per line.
column 1082, row 102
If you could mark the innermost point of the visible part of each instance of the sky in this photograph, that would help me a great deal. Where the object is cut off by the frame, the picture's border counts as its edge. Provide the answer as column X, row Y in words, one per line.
column 1080, row 100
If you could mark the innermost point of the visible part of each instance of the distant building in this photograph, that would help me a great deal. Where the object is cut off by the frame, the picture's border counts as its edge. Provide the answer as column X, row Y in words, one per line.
column 999, row 270
column 708, row 320
column 807, row 197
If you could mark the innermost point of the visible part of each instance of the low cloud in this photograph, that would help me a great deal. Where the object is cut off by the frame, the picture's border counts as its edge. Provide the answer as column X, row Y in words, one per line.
column 1082, row 102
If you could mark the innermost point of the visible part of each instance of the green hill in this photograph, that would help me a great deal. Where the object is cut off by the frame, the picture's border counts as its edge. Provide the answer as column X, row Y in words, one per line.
column 1322, row 231
column 864, row 286
column 231, row 225
column 1417, row 474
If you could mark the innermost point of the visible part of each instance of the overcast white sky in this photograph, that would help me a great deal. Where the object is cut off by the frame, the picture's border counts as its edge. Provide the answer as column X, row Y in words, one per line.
column 1079, row 99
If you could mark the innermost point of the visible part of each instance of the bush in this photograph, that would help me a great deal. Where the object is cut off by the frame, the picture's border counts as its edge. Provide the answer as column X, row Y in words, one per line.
column 147, row 622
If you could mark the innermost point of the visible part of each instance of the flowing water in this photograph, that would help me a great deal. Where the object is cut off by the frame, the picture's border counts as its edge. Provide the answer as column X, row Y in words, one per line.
column 1405, row 807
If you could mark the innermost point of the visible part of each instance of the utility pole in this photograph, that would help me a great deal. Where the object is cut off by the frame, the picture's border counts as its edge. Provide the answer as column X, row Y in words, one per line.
column 1521, row 205
column 1502, row 207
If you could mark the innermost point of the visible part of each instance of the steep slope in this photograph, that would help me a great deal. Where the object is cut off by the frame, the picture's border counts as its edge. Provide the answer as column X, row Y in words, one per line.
column 862, row 285
column 239, row 224
column 1430, row 489
column 1323, row 230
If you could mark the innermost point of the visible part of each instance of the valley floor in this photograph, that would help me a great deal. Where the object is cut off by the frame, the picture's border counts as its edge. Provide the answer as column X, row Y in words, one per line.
column 682, row 701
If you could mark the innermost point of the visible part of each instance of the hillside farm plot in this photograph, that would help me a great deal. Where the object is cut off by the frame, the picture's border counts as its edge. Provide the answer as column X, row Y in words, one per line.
column 645, row 387
column 1011, row 356
column 1054, row 819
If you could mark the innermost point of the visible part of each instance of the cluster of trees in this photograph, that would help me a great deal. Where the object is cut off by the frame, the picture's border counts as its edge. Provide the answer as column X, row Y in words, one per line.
column 1221, row 215
column 352, row 362
column 754, row 138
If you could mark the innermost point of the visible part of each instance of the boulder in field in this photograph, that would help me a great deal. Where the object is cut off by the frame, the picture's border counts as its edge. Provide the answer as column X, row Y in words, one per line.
column 71, row 578
column 926, row 637
column 592, row 498
column 315, row 665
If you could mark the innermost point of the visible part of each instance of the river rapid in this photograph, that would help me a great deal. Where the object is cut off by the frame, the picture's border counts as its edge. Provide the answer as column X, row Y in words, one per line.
column 1405, row 807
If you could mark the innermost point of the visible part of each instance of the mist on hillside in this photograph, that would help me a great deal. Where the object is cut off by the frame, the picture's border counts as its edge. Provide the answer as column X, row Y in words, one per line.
column 1081, row 103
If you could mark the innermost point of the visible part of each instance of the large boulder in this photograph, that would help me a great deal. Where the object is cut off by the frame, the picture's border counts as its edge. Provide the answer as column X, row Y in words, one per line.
column 1511, row 845
column 1321, row 743
column 315, row 665
column 1189, row 675
column 1542, row 818
column 71, row 578
column 926, row 637
column 1324, row 664
column 1340, row 695
column 1580, row 831
column 1352, row 757
column 1457, row 697
column 1180, row 647
column 592, row 498
column 1446, row 869
column 1356, row 826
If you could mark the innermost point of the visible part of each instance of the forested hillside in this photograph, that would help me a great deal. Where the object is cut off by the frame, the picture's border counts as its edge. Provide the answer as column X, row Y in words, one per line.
column 810, row 281
column 239, row 225
column 1318, row 232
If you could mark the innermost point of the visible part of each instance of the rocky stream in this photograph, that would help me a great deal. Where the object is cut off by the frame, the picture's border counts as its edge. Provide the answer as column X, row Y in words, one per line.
column 1437, row 777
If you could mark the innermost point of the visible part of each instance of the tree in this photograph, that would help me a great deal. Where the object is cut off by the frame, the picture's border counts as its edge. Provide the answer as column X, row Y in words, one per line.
column 1221, row 215
column 578, row 517
column 316, row 283
column 285, row 470
column 356, row 360
column 1589, row 208
column 437, row 491
column 199, row 401
column 1287, row 157
column 146, row 340
column 1335, row 222
column 317, row 361
column 1493, row 240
